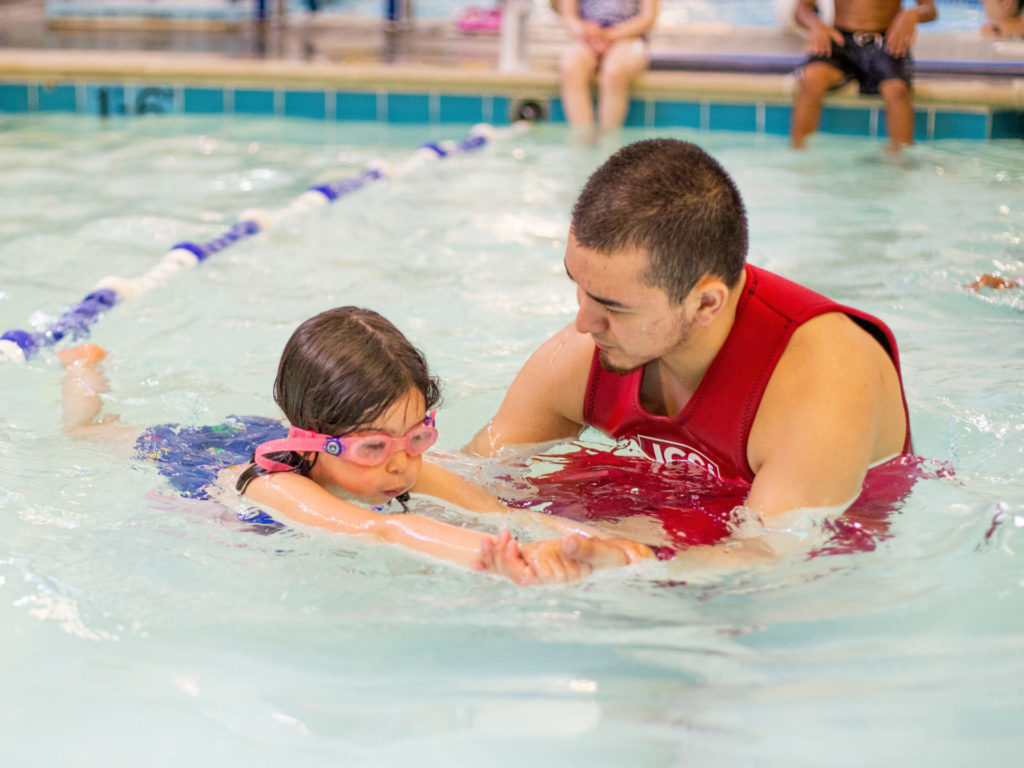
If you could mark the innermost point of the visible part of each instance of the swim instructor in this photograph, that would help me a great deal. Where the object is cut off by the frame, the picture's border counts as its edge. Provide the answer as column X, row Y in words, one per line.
column 684, row 348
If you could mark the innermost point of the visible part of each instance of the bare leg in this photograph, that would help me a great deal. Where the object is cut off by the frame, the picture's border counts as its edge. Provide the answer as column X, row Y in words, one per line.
column 622, row 62
column 996, row 282
column 899, row 113
column 816, row 79
column 579, row 63
column 84, row 382
column 83, row 385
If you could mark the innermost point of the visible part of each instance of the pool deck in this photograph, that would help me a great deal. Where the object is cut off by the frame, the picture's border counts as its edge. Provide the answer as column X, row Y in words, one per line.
column 328, row 49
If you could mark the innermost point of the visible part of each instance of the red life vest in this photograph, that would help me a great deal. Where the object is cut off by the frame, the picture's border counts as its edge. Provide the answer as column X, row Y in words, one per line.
column 712, row 429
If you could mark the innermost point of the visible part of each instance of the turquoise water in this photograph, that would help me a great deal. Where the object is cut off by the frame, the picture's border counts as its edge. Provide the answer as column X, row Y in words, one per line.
column 162, row 636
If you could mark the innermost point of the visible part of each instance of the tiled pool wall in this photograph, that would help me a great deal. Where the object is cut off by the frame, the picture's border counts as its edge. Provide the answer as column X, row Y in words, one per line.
column 435, row 107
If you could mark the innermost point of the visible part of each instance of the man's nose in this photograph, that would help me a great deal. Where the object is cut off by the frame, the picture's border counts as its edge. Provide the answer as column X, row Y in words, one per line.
column 589, row 316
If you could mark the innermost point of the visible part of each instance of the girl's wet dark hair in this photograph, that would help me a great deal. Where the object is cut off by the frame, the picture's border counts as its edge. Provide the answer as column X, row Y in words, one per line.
column 672, row 200
column 339, row 372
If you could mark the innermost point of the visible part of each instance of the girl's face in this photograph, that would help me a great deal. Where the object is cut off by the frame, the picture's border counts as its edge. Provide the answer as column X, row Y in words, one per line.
column 398, row 473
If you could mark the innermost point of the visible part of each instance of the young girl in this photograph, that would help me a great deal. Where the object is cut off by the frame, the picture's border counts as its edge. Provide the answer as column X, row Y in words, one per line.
column 359, row 398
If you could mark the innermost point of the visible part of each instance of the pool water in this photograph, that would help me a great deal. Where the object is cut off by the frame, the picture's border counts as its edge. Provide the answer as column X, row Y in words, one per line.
column 160, row 636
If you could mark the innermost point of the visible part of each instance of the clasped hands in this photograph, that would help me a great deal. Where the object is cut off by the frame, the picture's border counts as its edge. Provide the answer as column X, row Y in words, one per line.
column 595, row 36
column 556, row 561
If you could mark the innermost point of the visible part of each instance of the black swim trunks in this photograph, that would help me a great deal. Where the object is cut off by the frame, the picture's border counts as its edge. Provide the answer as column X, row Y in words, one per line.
column 863, row 57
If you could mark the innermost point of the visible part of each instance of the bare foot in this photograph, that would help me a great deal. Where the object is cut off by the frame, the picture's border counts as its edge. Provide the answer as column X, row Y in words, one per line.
column 998, row 283
column 85, row 354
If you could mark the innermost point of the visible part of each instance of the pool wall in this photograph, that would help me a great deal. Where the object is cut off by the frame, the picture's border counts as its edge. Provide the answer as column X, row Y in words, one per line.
column 129, row 84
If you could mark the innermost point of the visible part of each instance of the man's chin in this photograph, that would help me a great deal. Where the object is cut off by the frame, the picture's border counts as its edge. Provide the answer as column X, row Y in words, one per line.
column 612, row 368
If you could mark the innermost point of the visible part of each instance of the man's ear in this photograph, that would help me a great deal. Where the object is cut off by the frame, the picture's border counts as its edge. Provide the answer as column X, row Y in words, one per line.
column 711, row 295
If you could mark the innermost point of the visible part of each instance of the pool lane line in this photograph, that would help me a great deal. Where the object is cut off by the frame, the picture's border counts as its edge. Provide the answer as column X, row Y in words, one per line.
column 19, row 345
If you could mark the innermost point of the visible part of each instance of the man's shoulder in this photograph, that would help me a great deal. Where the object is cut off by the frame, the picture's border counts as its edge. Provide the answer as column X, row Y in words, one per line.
column 571, row 347
column 832, row 337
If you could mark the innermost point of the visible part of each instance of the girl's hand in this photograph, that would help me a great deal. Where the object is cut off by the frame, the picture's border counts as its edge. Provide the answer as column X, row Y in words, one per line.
column 502, row 557
column 594, row 35
column 551, row 565
column 534, row 562
column 604, row 552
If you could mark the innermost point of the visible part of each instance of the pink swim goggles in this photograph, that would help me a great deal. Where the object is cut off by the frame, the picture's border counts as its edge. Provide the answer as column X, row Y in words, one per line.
column 366, row 450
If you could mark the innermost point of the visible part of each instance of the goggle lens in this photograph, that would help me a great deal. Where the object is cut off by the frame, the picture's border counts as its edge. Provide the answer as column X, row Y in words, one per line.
column 372, row 450
column 367, row 450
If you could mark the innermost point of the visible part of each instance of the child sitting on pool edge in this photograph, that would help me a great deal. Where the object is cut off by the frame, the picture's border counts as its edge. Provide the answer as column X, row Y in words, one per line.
column 358, row 397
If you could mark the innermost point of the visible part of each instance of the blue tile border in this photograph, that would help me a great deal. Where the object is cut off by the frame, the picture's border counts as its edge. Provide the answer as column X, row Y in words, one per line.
column 57, row 98
column 13, row 98
column 866, row 118
column 677, row 114
column 407, row 108
column 105, row 100
column 732, row 117
column 310, row 104
column 355, row 106
column 954, row 125
column 777, row 119
column 203, row 101
column 154, row 100
column 1007, row 124
column 248, row 101
column 461, row 109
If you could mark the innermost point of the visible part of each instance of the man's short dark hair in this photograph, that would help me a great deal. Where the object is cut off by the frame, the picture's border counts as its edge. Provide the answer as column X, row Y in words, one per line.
column 672, row 200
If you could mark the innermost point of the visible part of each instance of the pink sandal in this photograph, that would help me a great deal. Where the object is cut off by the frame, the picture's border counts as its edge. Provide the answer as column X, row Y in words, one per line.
column 479, row 20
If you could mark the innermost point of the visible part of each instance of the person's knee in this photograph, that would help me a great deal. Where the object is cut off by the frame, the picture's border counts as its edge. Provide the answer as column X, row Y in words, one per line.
column 621, row 63
column 816, row 81
column 613, row 75
column 578, row 65
column 895, row 91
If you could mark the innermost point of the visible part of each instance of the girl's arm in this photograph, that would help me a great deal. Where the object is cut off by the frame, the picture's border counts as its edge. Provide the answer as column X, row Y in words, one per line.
column 303, row 501
column 602, row 551
column 638, row 25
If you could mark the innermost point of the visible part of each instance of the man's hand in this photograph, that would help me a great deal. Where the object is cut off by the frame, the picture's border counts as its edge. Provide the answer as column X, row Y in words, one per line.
column 604, row 552
column 535, row 562
column 820, row 39
column 899, row 38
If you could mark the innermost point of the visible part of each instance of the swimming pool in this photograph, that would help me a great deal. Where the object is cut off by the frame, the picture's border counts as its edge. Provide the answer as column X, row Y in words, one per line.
column 161, row 637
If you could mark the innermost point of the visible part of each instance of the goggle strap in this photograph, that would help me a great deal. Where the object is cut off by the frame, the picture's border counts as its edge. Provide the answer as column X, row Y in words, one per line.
column 302, row 440
column 293, row 444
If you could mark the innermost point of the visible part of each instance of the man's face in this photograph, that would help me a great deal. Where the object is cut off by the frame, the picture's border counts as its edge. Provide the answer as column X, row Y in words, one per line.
column 631, row 322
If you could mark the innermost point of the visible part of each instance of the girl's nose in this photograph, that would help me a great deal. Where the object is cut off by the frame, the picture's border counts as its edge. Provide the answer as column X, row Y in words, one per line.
column 397, row 462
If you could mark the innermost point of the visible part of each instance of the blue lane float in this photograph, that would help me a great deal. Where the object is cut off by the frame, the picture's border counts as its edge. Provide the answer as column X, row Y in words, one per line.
column 19, row 345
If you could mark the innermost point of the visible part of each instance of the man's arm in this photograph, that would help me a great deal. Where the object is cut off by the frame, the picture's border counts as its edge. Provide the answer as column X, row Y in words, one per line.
column 833, row 408
column 899, row 38
column 545, row 401
column 820, row 36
